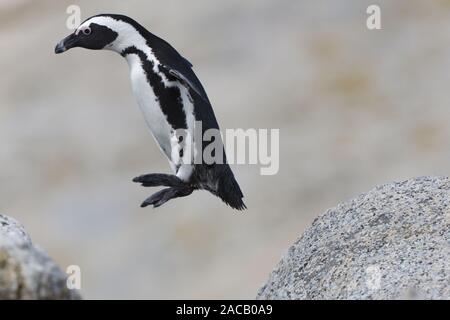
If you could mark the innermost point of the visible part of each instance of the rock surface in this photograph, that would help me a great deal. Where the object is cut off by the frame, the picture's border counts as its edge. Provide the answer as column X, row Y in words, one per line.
column 390, row 243
column 26, row 272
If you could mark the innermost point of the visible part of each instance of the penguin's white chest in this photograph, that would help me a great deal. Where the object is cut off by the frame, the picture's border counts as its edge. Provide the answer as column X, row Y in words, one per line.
column 149, row 105
column 162, row 131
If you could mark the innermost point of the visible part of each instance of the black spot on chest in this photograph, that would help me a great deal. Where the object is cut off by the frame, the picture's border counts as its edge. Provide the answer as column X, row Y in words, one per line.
column 169, row 98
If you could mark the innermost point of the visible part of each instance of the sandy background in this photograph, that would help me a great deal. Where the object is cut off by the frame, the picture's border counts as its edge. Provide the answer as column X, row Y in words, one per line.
column 355, row 108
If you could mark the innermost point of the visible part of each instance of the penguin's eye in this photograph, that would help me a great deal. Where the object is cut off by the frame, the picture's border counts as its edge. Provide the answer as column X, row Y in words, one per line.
column 87, row 31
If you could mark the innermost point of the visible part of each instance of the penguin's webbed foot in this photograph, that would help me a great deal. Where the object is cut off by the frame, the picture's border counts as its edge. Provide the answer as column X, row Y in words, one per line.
column 159, row 198
column 159, row 179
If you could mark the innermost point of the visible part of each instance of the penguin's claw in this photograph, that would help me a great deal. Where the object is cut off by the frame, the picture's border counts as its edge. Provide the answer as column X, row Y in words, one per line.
column 156, row 199
column 159, row 198
column 159, row 179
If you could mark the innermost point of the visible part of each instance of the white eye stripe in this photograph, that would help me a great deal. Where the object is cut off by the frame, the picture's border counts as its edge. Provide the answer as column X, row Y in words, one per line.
column 85, row 30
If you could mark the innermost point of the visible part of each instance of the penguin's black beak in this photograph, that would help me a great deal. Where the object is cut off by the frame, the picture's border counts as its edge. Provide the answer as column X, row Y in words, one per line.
column 67, row 43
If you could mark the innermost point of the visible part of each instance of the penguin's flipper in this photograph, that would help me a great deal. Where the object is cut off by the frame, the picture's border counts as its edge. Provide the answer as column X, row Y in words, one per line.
column 188, row 81
column 185, row 81
column 159, row 198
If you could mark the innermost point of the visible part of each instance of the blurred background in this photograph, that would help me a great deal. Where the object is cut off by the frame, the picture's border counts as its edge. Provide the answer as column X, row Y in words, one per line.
column 355, row 108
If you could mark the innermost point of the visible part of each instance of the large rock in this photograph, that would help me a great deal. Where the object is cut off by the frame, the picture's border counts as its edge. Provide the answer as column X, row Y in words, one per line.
column 26, row 272
column 390, row 243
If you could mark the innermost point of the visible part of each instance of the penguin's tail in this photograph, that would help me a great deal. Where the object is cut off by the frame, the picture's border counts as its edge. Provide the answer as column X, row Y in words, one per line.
column 229, row 191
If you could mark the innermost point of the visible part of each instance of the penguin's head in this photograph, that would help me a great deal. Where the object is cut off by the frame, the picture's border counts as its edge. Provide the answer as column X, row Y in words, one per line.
column 104, row 31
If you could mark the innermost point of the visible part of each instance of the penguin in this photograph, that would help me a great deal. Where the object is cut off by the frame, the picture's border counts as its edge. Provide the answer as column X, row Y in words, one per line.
column 172, row 100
